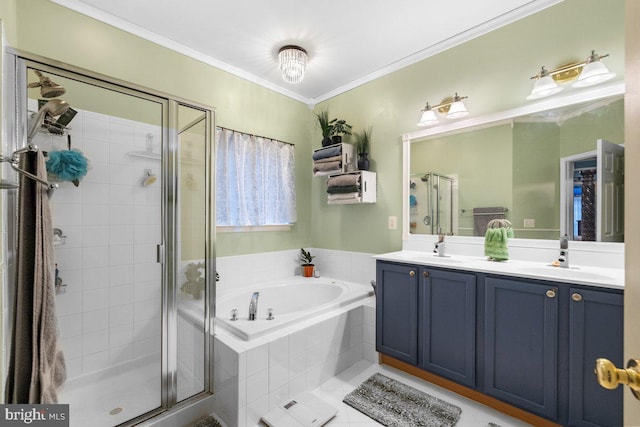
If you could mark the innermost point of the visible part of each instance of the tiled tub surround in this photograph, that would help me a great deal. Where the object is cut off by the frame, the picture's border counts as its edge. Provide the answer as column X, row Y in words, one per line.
column 251, row 377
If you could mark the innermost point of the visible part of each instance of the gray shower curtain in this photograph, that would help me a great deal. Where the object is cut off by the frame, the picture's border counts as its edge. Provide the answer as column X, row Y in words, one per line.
column 36, row 363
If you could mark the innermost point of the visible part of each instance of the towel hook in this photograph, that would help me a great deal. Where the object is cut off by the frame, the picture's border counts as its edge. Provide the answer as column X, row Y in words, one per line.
column 14, row 161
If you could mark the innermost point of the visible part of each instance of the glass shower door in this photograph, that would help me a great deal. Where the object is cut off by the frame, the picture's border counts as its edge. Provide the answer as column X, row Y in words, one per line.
column 132, row 229
column 192, row 294
column 104, row 149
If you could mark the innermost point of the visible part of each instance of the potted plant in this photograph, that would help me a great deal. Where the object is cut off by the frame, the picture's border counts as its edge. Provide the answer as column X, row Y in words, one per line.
column 325, row 126
column 339, row 128
column 363, row 142
column 306, row 262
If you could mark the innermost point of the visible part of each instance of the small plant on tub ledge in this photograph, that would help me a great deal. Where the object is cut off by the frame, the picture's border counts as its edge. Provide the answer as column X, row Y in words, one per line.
column 306, row 262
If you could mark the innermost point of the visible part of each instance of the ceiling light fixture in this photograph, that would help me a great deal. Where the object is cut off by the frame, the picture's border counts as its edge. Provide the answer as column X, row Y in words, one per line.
column 451, row 108
column 589, row 72
column 293, row 60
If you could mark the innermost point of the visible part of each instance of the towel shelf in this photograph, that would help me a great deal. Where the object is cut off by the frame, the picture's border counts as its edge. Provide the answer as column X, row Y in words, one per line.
column 343, row 159
column 366, row 189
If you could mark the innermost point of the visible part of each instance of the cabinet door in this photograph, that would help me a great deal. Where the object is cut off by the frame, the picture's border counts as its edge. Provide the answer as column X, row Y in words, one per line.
column 521, row 344
column 447, row 332
column 595, row 330
column 397, row 311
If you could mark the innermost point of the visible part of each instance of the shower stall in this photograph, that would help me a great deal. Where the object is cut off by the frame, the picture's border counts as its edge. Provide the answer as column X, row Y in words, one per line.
column 432, row 203
column 133, row 238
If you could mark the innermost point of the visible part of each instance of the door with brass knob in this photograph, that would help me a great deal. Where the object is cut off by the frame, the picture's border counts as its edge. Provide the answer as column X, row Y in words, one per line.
column 595, row 331
column 609, row 376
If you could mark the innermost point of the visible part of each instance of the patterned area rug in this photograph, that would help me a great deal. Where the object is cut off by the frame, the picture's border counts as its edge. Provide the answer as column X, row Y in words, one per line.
column 394, row 404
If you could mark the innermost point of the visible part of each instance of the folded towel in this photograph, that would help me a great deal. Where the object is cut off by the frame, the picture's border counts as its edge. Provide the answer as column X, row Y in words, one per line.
column 328, row 159
column 332, row 150
column 355, row 199
column 326, row 166
column 342, row 190
column 343, row 180
column 343, row 196
column 495, row 243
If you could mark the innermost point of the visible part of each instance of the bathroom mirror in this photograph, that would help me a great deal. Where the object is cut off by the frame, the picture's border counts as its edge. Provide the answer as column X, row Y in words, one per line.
column 508, row 165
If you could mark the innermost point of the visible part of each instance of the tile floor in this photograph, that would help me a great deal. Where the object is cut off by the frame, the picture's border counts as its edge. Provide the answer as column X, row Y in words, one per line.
column 333, row 391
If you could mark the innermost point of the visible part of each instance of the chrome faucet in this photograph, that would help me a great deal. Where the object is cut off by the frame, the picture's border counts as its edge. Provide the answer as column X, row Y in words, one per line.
column 253, row 306
column 563, row 257
column 438, row 247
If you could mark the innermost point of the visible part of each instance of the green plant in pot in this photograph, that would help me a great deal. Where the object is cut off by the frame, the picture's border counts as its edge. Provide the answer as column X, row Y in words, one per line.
column 306, row 262
column 363, row 143
column 339, row 128
column 325, row 126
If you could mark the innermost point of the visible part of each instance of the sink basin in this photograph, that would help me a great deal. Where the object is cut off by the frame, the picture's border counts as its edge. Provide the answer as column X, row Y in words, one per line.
column 447, row 259
column 568, row 273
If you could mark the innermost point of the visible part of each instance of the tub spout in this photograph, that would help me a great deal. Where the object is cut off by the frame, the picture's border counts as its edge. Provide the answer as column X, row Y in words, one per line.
column 253, row 306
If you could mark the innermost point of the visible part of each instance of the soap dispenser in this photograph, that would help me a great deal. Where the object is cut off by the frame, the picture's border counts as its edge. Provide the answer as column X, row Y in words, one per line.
column 563, row 258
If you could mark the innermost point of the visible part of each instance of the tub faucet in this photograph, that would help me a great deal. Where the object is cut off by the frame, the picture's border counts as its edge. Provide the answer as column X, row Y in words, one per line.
column 253, row 306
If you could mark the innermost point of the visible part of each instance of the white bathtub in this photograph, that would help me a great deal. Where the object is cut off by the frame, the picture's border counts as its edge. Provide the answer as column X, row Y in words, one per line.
column 291, row 300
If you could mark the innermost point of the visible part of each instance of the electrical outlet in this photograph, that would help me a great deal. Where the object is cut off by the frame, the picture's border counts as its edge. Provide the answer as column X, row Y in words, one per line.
column 393, row 223
column 529, row 223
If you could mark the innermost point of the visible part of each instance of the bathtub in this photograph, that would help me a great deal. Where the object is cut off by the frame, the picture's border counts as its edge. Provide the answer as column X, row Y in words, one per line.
column 291, row 300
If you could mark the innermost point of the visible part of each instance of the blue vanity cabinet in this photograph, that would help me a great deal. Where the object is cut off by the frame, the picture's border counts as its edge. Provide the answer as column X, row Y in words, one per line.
column 397, row 311
column 521, row 344
column 595, row 330
column 447, row 319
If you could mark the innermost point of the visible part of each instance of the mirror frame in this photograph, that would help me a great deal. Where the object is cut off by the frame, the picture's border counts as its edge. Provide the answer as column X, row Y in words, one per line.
column 484, row 121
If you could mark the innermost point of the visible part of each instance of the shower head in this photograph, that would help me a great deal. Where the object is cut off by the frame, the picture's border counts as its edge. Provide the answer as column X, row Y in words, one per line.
column 53, row 107
column 148, row 178
column 48, row 89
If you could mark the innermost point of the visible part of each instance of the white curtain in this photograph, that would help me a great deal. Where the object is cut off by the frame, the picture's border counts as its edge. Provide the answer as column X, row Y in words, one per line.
column 255, row 183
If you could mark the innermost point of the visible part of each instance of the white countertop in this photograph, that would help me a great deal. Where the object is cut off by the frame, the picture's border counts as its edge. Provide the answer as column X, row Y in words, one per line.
column 583, row 275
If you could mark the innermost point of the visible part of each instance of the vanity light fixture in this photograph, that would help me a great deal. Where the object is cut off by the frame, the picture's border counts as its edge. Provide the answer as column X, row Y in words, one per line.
column 589, row 72
column 293, row 60
column 451, row 108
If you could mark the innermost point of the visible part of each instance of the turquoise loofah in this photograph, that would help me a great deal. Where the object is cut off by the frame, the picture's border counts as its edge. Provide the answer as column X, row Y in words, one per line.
column 67, row 165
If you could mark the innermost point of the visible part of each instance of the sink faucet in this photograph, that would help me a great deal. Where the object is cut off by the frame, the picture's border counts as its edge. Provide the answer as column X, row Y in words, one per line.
column 438, row 247
column 563, row 258
column 253, row 306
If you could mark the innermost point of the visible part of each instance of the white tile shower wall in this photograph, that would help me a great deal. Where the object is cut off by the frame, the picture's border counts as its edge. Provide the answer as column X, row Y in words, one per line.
column 251, row 382
column 110, row 312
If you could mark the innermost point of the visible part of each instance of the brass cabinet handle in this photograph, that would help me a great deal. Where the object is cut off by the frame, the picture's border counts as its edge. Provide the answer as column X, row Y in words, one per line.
column 609, row 376
column 412, row 273
column 576, row 297
column 425, row 274
column 551, row 293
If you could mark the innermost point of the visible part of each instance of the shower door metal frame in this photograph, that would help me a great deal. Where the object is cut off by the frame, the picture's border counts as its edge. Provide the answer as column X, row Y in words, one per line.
column 168, row 248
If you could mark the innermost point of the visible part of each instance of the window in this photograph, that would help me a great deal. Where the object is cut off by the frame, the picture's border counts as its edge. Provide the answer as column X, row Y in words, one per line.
column 255, row 183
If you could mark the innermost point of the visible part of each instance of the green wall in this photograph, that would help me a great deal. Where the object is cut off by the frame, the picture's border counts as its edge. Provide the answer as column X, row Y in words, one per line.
column 493, row 70
column 44, row 28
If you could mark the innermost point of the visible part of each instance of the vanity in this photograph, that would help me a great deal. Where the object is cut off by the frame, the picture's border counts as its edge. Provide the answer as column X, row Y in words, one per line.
column 521, row 335
column 505, row 330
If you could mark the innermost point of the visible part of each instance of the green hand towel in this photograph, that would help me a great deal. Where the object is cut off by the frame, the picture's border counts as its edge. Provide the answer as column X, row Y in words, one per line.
column 495, row 243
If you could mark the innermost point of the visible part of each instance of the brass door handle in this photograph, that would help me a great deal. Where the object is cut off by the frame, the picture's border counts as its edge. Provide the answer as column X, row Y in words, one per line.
column 609, row 376
column 425, row 274
column 412, row 273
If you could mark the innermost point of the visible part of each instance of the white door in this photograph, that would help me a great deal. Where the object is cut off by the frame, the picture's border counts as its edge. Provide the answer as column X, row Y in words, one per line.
column 610, row 192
